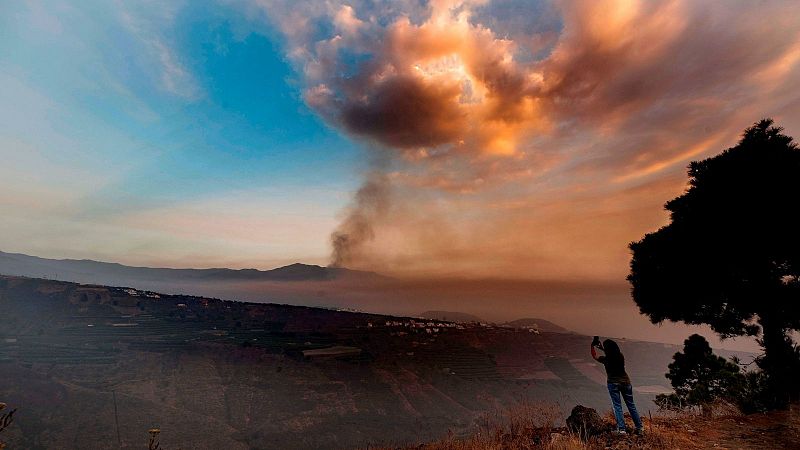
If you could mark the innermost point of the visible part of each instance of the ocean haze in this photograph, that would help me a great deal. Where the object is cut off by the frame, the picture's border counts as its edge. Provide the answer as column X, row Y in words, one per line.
column 591, row 308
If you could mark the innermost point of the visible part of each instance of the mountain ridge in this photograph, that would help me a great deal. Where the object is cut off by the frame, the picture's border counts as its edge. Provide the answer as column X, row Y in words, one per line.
column 77, row 269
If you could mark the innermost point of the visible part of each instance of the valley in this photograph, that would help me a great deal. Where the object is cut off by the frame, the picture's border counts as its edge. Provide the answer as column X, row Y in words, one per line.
column 223, row 374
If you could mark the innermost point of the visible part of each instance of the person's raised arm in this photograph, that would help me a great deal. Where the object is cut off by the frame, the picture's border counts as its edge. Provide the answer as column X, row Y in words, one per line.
column 595, row 346
column 594, row 353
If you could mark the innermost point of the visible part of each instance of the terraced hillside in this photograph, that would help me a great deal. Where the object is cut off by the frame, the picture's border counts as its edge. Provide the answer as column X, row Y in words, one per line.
column 78, row 359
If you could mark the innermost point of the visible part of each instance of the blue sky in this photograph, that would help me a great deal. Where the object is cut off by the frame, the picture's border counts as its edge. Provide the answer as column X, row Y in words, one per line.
column 114, row 111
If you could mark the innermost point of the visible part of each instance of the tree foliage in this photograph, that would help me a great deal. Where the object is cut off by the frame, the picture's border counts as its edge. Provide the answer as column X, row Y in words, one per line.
column 730, row 256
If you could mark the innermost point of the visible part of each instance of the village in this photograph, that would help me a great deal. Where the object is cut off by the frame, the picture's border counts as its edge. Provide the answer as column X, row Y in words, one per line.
column 403, row 327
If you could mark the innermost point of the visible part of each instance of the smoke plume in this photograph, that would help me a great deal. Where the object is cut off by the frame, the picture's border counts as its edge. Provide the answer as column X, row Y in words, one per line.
column 544, row 135
column 369, row 205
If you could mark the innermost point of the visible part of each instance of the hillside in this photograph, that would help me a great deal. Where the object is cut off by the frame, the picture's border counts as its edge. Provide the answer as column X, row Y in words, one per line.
column 224, row 374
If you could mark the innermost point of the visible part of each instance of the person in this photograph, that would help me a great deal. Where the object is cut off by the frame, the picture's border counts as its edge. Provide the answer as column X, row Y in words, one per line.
column 619, row 384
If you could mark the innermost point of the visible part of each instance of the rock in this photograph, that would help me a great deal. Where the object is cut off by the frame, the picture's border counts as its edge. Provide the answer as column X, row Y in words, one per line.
column 585, row 422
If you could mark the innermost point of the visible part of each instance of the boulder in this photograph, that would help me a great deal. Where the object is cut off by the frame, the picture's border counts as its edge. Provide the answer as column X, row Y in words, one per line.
column 585, row 422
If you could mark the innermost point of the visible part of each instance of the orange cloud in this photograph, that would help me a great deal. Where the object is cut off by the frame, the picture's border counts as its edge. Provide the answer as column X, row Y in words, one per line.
column 576, row 116
column 444, row 82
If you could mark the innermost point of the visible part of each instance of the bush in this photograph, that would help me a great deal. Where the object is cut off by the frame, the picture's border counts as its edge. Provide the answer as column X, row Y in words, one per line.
column 752, row 393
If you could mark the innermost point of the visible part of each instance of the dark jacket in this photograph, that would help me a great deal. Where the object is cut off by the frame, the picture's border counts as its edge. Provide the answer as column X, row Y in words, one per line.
column 615, row 369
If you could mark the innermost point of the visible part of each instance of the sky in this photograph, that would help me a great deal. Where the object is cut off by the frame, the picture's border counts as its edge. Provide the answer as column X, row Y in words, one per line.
column 445, row 138
column 161, row 133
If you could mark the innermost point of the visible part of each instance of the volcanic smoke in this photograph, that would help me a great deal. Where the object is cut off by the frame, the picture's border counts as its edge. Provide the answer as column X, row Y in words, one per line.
column 553, row 117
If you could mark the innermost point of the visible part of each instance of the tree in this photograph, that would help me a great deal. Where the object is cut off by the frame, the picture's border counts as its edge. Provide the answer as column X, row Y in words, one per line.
column 730, row 256
column 700, row 377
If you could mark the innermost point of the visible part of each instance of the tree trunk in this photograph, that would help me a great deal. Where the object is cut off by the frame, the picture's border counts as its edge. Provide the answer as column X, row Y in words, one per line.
column 778, row 361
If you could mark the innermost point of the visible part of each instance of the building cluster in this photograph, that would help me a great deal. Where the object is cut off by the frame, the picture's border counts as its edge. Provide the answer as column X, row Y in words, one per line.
column 403, row 327
column 138, row 293
column 429, row 327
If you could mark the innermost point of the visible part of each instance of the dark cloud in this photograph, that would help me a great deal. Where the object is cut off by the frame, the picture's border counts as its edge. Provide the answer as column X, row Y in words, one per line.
column 406, row 113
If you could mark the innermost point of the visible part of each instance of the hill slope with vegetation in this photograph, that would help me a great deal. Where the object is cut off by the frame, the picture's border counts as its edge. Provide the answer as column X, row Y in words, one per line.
column 223, row 374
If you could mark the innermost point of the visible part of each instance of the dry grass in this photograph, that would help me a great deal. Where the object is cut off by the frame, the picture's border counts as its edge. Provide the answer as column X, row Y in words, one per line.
column 524, row 426
column 532, row 426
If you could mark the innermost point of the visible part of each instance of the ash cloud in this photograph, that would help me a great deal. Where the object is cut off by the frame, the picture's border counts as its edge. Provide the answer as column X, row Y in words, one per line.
column 501, row 116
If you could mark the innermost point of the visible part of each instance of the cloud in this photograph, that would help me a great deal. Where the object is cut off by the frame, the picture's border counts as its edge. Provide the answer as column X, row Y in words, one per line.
column 147, row 22
column 444, row 83
column 483, row 103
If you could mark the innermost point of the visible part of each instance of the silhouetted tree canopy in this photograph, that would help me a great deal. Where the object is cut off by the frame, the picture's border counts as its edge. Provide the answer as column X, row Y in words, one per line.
column 730, row 257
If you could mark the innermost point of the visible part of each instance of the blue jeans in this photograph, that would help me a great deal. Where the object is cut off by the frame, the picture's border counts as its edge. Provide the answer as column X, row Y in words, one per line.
column 626, row 391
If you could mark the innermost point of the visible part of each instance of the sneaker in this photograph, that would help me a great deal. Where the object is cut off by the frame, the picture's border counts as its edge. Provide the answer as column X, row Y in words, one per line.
column 618, row 433
column 639, row 432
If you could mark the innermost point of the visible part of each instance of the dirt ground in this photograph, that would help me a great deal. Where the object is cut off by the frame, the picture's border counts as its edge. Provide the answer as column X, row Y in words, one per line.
column 775, row 430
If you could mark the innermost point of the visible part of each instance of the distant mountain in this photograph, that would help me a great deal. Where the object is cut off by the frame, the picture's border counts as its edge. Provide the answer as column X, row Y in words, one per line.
column 541, row 324
column 89, row 271
column 451, row 316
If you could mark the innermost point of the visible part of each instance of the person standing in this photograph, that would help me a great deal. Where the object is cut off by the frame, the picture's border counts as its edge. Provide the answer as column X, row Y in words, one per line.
column 619, row 383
